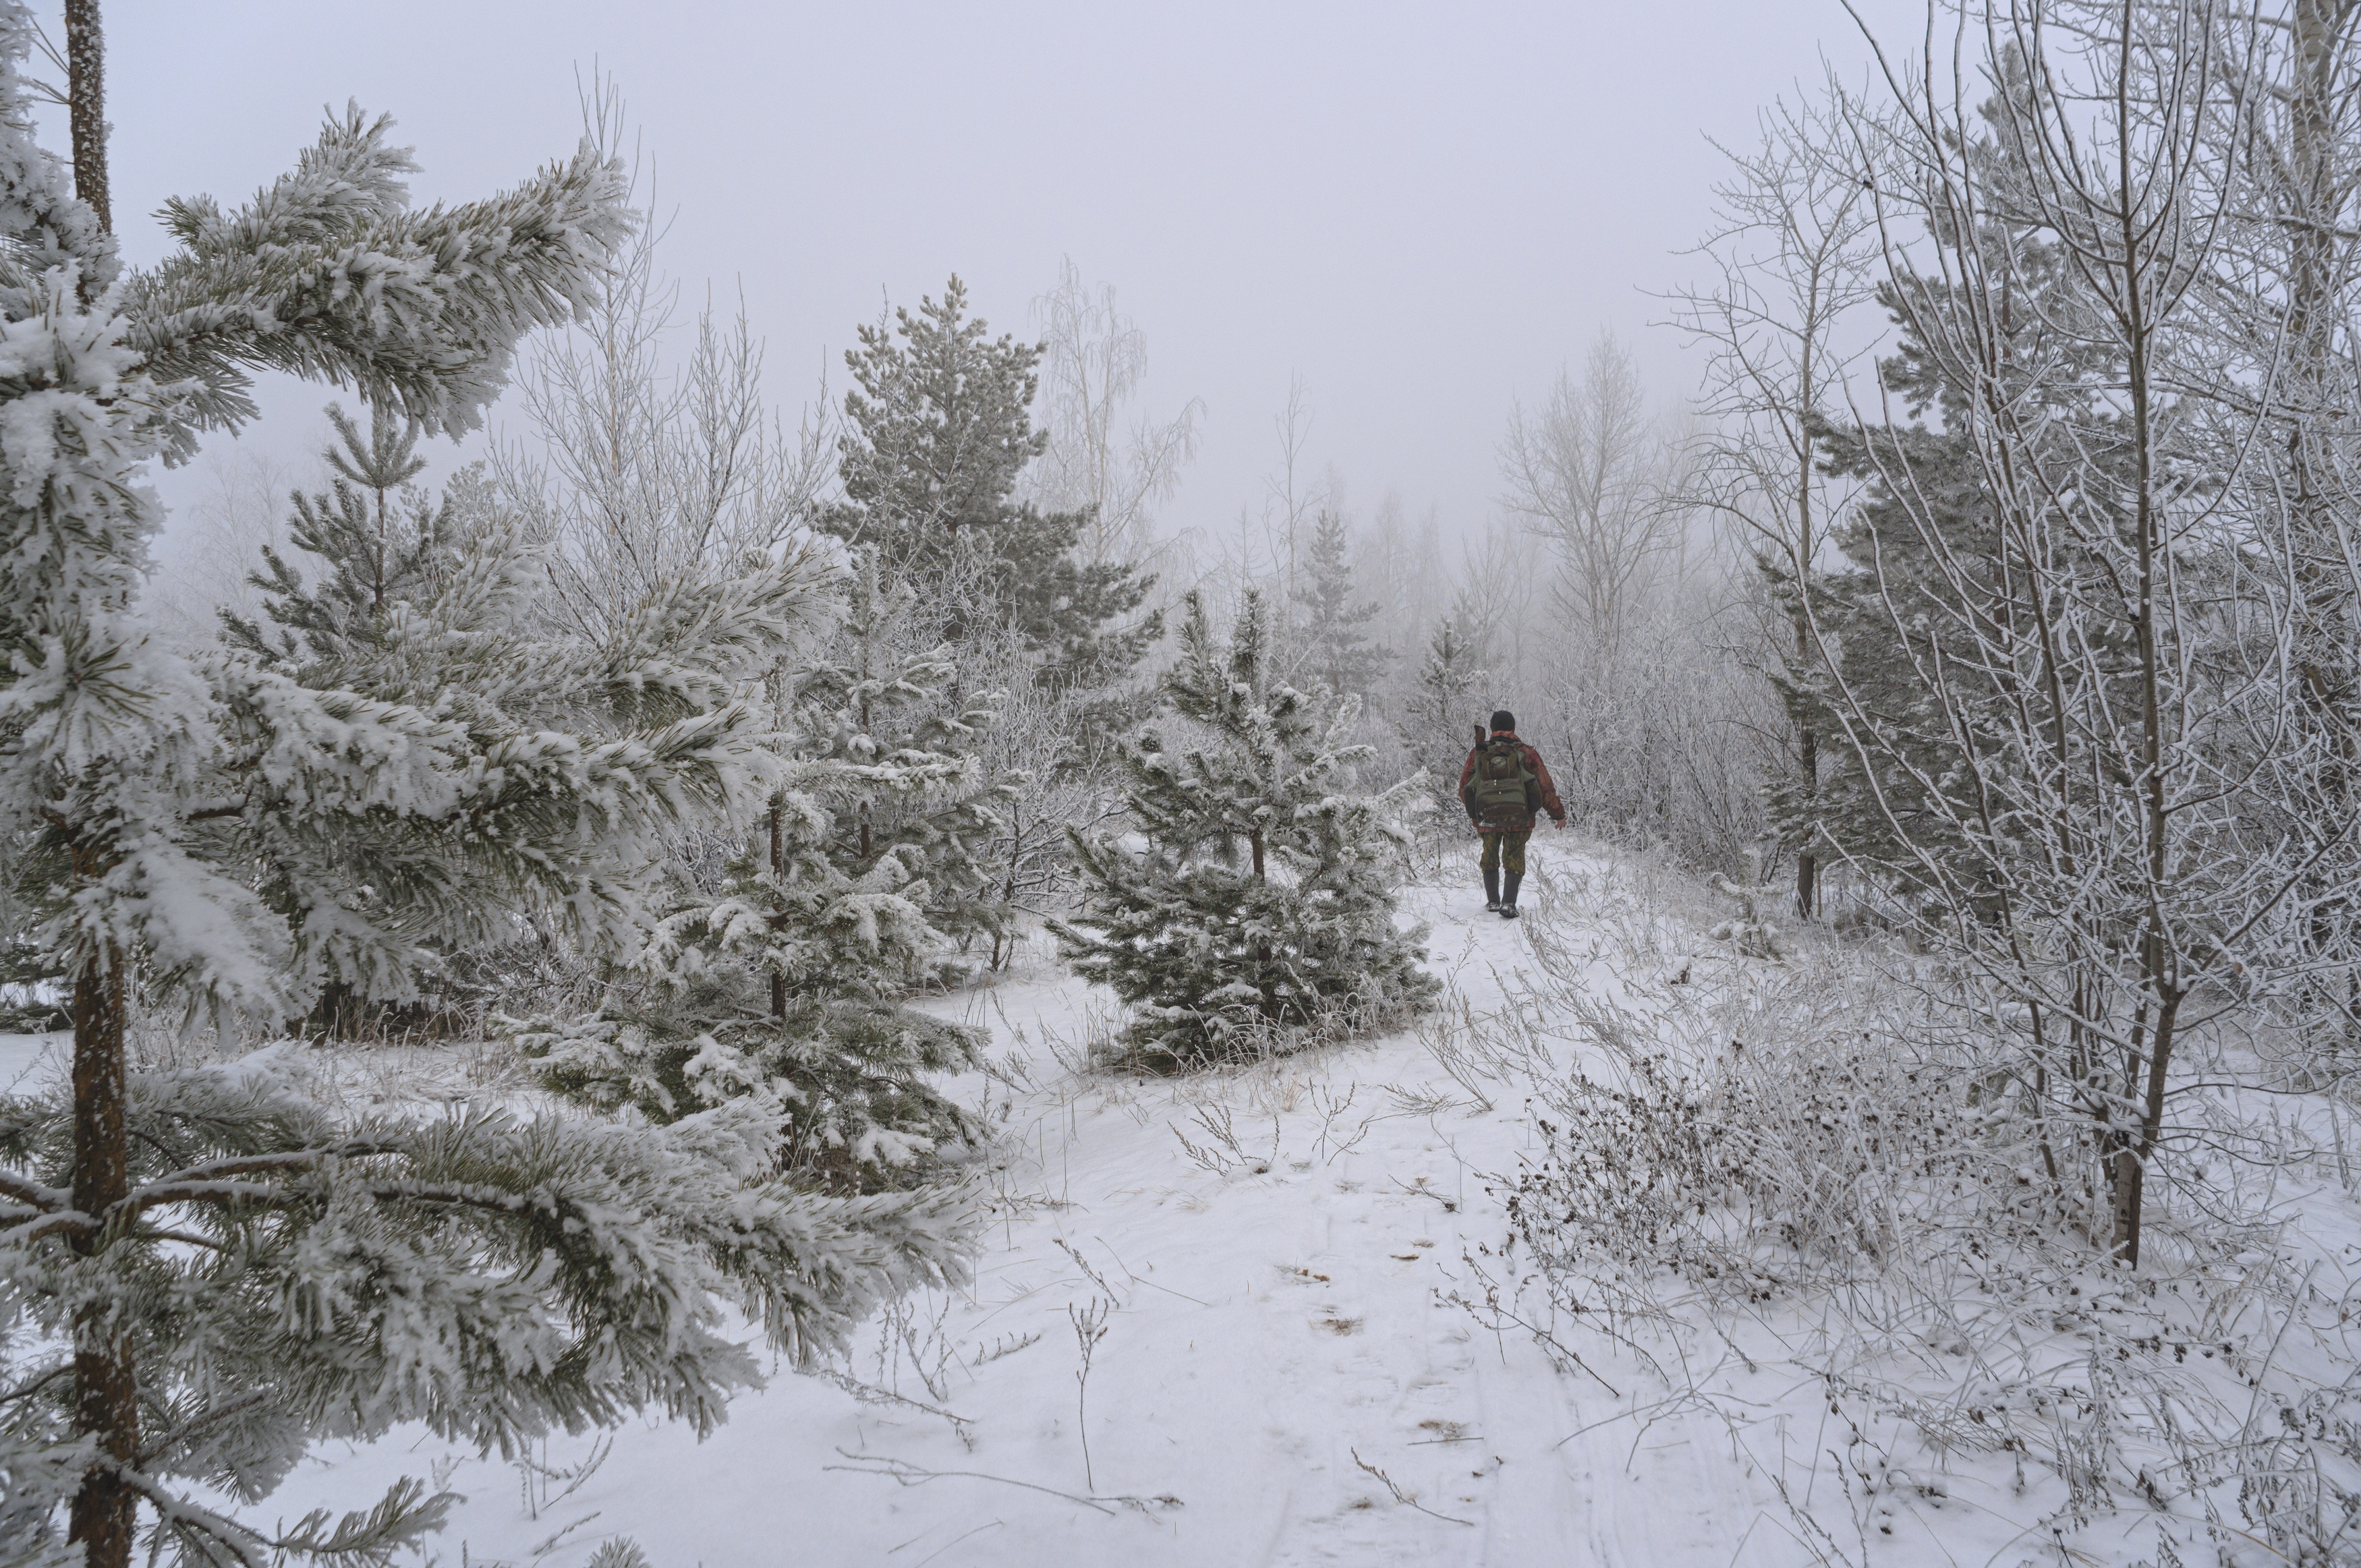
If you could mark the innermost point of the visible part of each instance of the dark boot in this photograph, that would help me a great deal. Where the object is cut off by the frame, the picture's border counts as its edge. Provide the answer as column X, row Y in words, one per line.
column 1509, row 895
column 1491, row 890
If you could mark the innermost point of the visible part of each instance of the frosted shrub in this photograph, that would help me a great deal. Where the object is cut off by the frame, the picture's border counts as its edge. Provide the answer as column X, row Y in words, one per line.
column 1744, row 1148
column 1661, row 739
column 2297, row 1471
column 1751, row 930
column 1739, row 1126
column 1819, row 1147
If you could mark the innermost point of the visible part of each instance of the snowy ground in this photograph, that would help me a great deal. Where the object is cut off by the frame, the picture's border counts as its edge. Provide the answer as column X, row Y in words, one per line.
column 1275, row 1334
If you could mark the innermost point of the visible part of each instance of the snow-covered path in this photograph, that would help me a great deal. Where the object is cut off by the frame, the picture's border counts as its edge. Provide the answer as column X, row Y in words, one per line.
column 1267, row 1334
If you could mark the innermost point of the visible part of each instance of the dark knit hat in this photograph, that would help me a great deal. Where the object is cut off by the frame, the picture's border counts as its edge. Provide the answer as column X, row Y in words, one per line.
column 1503, row 719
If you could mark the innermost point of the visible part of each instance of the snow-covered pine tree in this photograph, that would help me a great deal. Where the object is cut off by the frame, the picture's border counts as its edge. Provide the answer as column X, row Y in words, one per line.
column 887, row 709
column 939, row 426
column 434, row 604
column 382, row 542
column 198, row 1275
column 285, row 1278
column 1262, row 906
column 786, row 982
column 783, row 987
column 384, row 549
column 1848, row 809
column 1337, row 649
column 864, row 846
column 939, row 431
column 1751, row 930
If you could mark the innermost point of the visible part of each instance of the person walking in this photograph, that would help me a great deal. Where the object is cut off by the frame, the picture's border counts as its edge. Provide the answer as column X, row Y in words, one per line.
column 1505, row 785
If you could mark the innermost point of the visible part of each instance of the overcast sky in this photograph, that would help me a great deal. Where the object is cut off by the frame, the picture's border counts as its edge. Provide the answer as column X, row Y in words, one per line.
column 1424, row 210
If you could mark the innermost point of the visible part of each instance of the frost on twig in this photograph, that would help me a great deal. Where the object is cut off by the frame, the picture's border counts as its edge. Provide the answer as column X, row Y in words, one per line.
column 1090, row 1327
column 1751, row 930
column 1407, row 1499
column 909, row 1474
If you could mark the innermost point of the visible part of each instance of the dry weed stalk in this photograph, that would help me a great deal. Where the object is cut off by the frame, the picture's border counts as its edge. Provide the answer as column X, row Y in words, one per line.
column 1090, row 1327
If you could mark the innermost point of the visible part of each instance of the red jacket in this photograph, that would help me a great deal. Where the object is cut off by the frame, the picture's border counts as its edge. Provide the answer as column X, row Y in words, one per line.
column 1541, row 774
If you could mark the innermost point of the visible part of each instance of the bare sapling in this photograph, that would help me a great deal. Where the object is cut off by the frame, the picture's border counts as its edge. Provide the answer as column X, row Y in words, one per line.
column 1796, row 245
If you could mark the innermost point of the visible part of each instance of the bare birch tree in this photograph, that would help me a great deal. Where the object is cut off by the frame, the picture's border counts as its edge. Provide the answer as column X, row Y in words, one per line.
column 639, row 469
column 1587, row 471
column 1794, row 246
column 1093, row 359
column 2277, row 309
column 2080, row 808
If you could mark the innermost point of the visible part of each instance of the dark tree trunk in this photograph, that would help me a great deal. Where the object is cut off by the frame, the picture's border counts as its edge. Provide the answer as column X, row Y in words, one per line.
column 106, row 1404
column 337, row 1016
column 86, row 106
column 779, row 870
column 1807, row 742
column 1808, row 866
column 104, row 1514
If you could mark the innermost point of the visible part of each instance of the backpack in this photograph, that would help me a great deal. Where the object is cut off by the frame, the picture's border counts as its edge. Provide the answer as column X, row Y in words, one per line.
column 1503, row 790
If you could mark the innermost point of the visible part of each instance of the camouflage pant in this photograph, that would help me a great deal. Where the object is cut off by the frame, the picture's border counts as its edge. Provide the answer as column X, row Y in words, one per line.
column 1505, row 850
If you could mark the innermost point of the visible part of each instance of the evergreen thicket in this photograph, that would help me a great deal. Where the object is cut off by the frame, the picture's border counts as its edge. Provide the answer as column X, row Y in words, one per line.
column 1922, row 534
column 908, row 826
column 786, row 980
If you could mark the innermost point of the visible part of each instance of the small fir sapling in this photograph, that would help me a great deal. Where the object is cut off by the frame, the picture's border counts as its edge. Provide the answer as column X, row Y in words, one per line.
column 1262, row 904
column 1338, row 651
column 1451, row 681
column 382, row 542
column 201, row 1273
column 783, row 990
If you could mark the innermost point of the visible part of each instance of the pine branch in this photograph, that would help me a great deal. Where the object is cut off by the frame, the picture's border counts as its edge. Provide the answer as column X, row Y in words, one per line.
column 47, row 1199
